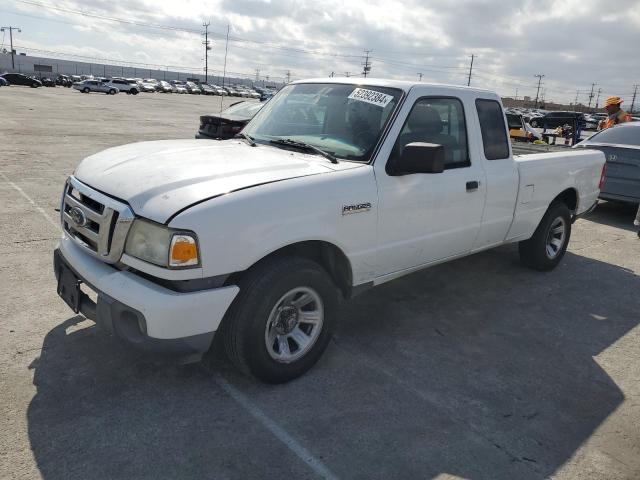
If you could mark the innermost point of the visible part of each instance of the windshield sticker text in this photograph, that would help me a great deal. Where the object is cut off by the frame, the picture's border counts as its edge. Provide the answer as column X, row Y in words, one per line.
column 371, row 96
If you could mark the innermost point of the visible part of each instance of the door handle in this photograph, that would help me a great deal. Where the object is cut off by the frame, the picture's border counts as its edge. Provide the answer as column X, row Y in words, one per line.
column 472, row 186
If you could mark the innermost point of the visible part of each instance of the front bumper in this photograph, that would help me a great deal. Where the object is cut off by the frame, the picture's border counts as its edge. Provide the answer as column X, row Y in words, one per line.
column 142, row 313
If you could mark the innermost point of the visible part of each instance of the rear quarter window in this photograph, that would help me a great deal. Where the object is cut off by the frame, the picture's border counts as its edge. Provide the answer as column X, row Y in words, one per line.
column 622, row 135
column 492, row 127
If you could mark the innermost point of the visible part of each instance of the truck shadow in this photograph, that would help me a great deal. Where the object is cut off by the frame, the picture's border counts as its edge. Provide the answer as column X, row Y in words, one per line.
column 478, row 368
column 619, row 215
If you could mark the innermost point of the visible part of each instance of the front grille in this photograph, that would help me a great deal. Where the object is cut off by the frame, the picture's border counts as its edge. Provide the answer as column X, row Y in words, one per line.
column 96, row 222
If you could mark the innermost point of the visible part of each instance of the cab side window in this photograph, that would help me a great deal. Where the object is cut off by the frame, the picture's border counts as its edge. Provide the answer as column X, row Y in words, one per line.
column 440, row 121
column 494, row 133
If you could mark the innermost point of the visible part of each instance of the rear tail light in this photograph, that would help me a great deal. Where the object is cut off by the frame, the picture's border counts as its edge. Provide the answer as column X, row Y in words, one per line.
column 602, row 176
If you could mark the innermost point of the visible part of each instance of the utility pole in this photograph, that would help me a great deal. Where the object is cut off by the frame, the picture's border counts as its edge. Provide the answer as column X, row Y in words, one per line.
column 540, row 77
column 633, row 100
column 516, row 97
column 598, row 97
column 419, row 77
column 366, row 64
column 206, row 51
column 575, row 103
column 470, row 70
column 346, row 74
column 224, row 70
column 257, row 75
column 288, row 76
column 13, row 52
column 591, row 95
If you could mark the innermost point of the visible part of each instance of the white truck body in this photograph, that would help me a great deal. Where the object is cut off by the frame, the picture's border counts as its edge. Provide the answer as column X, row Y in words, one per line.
column 246, row 202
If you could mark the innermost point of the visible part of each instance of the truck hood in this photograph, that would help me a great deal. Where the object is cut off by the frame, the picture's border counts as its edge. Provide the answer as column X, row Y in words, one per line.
column 157, row 179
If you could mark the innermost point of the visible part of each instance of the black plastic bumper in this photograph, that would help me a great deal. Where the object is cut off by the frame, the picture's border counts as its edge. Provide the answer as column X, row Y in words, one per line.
column 129, row 324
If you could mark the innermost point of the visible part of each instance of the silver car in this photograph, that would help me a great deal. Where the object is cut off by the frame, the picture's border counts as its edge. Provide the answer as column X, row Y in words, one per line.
column 87, row 86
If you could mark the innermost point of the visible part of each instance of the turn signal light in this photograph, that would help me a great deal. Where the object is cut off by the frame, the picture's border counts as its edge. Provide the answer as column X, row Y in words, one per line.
column 183, row 251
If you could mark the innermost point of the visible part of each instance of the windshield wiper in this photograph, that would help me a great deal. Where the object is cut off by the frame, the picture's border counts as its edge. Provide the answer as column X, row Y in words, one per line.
column 248, row 138
column 305, row 146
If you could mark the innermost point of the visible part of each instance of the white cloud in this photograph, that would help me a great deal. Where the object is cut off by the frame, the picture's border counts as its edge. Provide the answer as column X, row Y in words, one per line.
column 572, row 42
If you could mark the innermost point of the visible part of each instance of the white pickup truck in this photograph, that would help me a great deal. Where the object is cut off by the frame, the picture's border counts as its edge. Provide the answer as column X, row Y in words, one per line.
column 335, row 186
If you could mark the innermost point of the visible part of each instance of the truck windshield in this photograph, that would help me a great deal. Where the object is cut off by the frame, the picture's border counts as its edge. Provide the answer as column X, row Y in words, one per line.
column 343, row 120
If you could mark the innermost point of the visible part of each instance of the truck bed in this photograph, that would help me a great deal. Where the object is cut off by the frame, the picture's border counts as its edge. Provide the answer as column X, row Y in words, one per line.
column 522, row 148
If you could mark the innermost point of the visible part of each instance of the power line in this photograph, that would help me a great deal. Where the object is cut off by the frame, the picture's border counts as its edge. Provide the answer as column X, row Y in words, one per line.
column 470, row 69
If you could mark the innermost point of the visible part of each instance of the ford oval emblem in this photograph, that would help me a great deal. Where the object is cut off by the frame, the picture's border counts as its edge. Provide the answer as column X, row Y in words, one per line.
column 78, row 217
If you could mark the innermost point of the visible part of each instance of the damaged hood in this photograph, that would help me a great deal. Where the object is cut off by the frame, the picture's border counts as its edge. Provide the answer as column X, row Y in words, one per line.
column 157, row 179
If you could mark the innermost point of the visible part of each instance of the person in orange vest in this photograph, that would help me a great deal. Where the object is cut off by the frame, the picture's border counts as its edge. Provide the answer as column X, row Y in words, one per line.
column 616, row 114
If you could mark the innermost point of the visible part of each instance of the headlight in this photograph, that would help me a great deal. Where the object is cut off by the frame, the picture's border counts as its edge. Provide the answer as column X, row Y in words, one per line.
column 161, row 246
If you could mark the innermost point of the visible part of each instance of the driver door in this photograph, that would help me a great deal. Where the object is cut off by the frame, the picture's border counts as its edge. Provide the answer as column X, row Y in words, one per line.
column 424, row 218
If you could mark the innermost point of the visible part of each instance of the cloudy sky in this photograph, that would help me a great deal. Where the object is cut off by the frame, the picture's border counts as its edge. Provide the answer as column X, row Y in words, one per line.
column 574, row 43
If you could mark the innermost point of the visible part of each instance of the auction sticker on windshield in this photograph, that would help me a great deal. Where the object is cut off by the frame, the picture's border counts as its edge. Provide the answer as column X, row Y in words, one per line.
column 371, row 96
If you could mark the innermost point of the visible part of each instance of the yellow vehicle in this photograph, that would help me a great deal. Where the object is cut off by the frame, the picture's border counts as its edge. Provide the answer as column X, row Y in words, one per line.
column 517, row 129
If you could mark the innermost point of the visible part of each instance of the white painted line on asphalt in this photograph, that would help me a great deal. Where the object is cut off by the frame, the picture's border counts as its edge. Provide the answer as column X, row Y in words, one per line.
column 31, row 201
column 293, row 445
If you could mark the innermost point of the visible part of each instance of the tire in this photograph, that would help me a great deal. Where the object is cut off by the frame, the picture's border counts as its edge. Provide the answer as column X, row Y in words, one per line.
column 545, row 249
column 85, row 90
column 534, row 124
column 134, row 92
column 253, row 319
column 112, row 92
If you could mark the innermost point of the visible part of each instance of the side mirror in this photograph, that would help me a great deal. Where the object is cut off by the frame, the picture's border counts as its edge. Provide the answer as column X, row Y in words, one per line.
column 419, row 157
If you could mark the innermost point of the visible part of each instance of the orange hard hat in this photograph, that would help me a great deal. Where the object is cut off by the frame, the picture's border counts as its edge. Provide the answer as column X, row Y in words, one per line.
column 613, row 101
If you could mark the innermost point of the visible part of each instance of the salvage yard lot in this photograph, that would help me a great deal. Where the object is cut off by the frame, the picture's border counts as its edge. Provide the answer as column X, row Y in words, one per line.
column 479, row 368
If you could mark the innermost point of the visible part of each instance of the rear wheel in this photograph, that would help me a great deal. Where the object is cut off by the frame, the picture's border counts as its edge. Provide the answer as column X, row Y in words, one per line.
column 534, row 123
column 85, row 90
column 112, row 92
column 545, row 249
column 282, row 320
column 134, row 91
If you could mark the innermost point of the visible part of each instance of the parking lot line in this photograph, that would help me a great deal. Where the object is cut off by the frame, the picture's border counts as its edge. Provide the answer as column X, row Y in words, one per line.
column 31, row 201
column 281, row 434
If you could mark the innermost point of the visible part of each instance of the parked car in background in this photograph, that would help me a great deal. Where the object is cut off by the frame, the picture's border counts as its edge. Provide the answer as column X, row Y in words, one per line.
column 164, row 87
column 47, row 82
column 88, row 86
column 180, row 89
column 591, row 122
column 558, row 119
column 64, row 81
column 129, row 86
column 23, row 80
column 207, row 89
column 621, row 147
column 193, row 88
column 147, row 87
column 229, row 122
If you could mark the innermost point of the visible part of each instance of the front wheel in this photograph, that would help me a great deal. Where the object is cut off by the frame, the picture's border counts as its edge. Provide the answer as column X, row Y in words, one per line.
column 112, row 92
column 282, row 320
column 545, row 249
column 85, row 90
column 534, row 124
